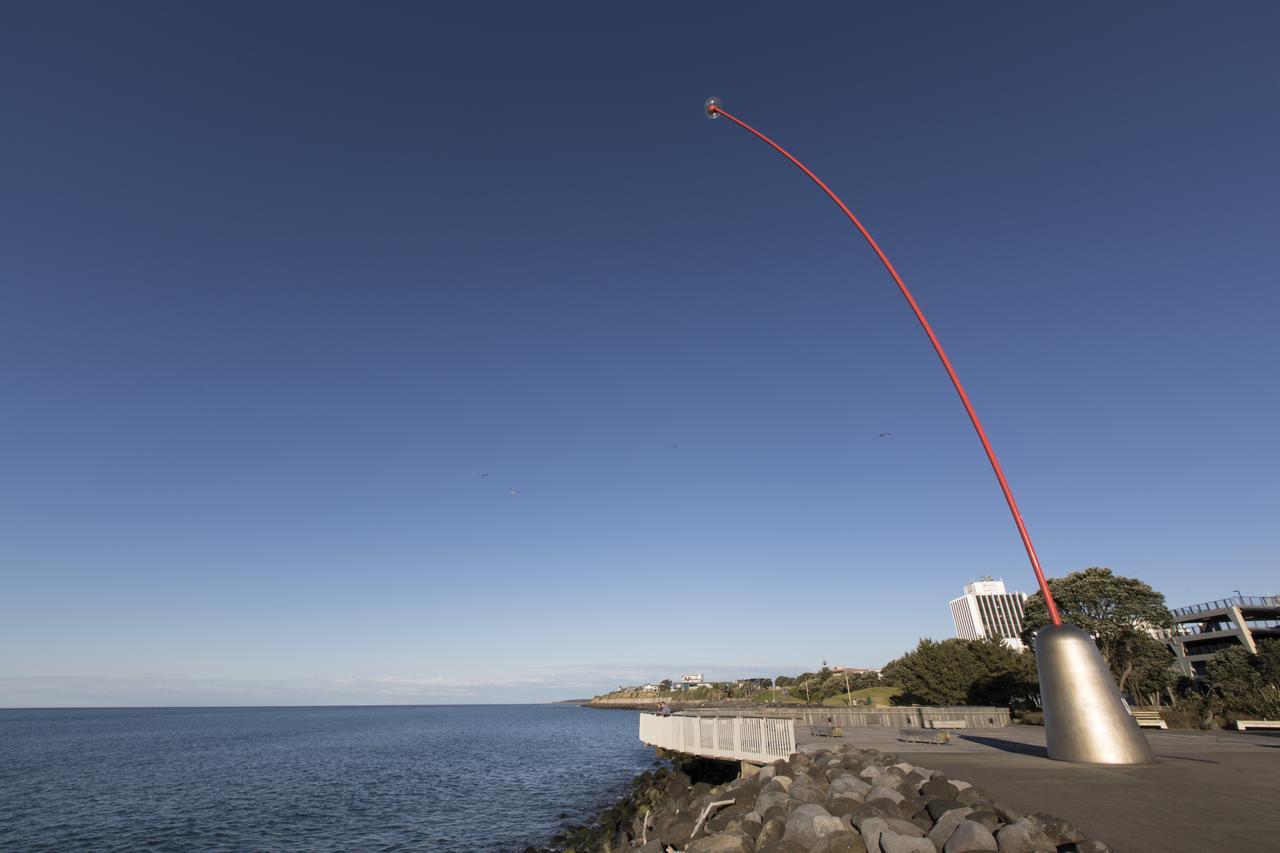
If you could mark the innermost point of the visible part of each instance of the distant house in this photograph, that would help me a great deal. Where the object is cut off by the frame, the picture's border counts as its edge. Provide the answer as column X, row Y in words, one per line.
column 854, row 670
column 695, row 678
column 651, row 688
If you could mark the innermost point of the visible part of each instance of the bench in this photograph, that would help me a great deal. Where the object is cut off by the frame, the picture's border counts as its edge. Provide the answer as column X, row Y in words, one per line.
column 1149, row 719
column 1242, row 725
column 826, row 731
column 945, row 724
column 924, row 735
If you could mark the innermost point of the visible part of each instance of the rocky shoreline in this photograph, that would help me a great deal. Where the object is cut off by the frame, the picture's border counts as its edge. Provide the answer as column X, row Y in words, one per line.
column 846, row 800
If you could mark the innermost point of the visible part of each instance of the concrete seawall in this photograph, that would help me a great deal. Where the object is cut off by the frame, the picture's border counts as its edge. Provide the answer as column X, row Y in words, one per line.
column 971, row 716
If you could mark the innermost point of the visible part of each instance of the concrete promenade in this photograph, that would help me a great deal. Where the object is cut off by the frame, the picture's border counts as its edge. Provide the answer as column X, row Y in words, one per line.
column 1217, row 791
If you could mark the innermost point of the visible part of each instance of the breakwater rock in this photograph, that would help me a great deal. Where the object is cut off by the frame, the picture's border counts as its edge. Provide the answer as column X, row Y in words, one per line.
column 846, row 800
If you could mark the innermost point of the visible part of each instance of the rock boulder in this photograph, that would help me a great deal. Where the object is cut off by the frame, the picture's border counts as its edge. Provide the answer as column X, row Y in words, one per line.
column 800, row 824
column 770, row 831
column 970, row 837
column 880, row 792
column 1023, row 836
column 946, row 825
column 1061, row 831
column 840, row 842
column 892, row 842
column 938, row 788
column 724, row 842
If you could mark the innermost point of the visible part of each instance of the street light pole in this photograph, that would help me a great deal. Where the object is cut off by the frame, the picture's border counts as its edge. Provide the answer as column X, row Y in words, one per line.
column 1085, row 718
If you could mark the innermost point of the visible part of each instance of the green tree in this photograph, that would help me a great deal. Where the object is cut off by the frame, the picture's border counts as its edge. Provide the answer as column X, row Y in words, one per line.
column 1246, row 683
column 1233, row 671
column 861, row 680
column 832, row 685
column 1268, row 661
column 1260, row 704
column 1153, row 672
column 958, row 672
column 1118, row 612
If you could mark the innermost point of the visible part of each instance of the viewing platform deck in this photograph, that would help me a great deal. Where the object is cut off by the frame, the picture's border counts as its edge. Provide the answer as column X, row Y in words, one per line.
column 763, row 737
column 757, row 740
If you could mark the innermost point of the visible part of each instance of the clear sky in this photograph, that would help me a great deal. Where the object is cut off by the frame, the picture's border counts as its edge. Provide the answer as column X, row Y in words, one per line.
column 293, row 296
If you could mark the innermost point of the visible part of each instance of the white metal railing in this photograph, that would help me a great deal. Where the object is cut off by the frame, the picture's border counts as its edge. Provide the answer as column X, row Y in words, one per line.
column 756, row 739
column 1225, row 603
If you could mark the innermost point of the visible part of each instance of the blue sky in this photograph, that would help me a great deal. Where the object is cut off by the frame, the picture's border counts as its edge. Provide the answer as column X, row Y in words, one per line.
column 279, row 284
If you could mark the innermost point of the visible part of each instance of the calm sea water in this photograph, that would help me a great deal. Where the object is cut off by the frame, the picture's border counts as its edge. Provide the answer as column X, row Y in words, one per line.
column 446, row 778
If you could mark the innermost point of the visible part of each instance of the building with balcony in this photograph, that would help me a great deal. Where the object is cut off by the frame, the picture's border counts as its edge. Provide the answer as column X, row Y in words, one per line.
column 1201, row 631
column 854, row 670
column 987, row 610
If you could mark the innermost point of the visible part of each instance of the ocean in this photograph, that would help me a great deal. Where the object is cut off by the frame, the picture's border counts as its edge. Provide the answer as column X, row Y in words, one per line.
column 440, row 778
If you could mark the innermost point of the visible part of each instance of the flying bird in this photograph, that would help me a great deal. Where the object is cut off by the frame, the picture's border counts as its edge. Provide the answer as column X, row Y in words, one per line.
column 515, row 492
column 883, row 434
column 675, row 445
column 482, row 476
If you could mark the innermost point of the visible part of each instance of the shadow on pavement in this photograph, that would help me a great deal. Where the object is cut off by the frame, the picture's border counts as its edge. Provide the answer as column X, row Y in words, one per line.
column 1009, row 745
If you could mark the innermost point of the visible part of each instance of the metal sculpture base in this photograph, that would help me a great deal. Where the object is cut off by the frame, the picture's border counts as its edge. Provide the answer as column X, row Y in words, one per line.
column 1084, row 718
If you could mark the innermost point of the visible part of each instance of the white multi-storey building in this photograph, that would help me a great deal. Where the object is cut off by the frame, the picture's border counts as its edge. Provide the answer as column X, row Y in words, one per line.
column 987, row 610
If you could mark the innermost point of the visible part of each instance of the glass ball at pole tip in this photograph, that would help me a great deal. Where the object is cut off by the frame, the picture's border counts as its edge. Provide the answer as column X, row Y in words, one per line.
column 712, row 106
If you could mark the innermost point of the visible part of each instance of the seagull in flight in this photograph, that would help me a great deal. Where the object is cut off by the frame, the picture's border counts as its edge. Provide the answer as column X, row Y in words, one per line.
column 482, row 476
column 675, row 446
column 515, row 492
column 883, row 434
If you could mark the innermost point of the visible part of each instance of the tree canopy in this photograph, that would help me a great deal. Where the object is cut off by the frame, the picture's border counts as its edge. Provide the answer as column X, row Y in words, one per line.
column 1233, row 670
column 1118, row 612
column 960, row 672
column 1152, row 667
column 1268, row 661
column 1245, row 683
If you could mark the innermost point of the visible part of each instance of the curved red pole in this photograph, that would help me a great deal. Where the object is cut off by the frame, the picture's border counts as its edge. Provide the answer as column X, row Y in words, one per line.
column 715, row 109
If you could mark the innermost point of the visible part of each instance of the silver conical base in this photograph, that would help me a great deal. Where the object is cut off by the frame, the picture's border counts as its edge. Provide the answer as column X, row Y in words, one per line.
column 1084, row 718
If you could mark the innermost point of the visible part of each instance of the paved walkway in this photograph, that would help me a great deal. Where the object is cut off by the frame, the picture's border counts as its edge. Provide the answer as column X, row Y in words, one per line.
column 1217, row 791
